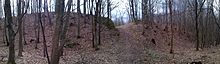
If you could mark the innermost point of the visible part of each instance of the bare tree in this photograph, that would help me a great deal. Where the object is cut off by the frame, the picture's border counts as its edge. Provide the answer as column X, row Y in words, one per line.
column 132, row 10
column 108, row 8
column 45, row 51
column 63, row 33
column 37, row 23
column 47, row 11
column 171, row 20
column 11, row 33
column 78, row 22
column 93, row 26
column 84, row 6
column 98, row 17
column 57, row 37
column 21, row 12
column 20, row 28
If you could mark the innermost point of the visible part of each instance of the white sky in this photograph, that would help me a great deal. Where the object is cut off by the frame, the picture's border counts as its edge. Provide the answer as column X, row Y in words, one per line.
column 121, row 10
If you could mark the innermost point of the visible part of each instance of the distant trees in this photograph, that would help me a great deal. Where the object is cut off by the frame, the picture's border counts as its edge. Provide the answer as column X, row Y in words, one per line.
column 10, row 33
column 147, row 7
column 133, row 10
column 148, row 10
column 1, row 11
column 145, row 15
column 211, row 27
column 36, row 9
column 218, row 10
column 47, row 12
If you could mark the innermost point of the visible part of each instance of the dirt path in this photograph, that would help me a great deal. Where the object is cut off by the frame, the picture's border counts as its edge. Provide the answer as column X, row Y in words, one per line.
column 132, row 50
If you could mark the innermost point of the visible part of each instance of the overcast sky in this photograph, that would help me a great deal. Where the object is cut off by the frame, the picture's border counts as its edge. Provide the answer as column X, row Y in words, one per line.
column 121, row 9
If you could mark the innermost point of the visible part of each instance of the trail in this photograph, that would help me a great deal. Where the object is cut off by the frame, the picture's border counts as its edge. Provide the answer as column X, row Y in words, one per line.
column 132, row 51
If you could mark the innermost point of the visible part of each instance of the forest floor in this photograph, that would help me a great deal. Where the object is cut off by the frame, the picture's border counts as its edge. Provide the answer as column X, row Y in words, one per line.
column 125, row 45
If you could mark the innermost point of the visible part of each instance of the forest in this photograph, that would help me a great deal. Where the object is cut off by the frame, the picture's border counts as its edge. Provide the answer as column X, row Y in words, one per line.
column 109, row 31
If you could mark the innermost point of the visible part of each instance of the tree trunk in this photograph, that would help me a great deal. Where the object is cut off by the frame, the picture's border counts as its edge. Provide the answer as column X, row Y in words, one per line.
column 44, row 43
column 79, row 16
column 5, row 33
column 20, row 29
column 108, row 8
column 63, row 34
column 197, row 28
column 132, row 10
column 171, row 20
column 99, row 3
column 84, row 6
column 11, row 33
column 37, row 26
column 24, row 33
column 59, row 10
column 93, row 26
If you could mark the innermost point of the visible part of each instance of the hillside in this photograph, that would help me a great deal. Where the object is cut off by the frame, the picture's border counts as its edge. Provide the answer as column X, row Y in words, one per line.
column 123, row 45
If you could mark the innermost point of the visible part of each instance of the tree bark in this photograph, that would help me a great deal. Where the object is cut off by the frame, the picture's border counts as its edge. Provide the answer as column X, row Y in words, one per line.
column 171, row 20
column 79, row 16
column 11, row 33
column 84, row 6
column 108, row 8
column 197, row 28
column 20, row 29
column 99, row 3
column 59, row 10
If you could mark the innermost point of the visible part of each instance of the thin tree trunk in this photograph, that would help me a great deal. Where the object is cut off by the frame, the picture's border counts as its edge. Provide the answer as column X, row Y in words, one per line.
column 47, row 11
column 197, row 28
column 79, row 16
column 132, row 10
column 99, row 21
column 171, row 20
column 45, row 51
column 63, row 34
column 44, row 43
column 24, row 33
column 20, row 29
column 84, row 6
column 5, row 32
column 93, row 25
column 108, row 8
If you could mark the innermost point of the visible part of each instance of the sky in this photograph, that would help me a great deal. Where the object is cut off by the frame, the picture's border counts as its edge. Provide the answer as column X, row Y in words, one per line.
column 119, row 11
